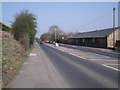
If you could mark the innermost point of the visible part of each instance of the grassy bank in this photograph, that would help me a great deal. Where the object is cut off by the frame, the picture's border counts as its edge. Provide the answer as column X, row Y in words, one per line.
column 13, row 56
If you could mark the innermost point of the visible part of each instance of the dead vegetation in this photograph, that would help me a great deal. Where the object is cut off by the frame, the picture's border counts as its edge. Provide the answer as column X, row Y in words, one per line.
column 13, row 55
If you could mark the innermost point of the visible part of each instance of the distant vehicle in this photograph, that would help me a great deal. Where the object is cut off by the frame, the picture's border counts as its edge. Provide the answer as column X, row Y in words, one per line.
column 46, row 41
column 51, row 42
column 41, row 42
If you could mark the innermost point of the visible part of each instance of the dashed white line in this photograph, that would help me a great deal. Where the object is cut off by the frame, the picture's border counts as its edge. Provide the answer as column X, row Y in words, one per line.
column 77, row 56
column 110, row 67
column 72, row 54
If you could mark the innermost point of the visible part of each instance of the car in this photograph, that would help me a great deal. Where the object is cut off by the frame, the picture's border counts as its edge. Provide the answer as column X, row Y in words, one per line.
column 41, row 42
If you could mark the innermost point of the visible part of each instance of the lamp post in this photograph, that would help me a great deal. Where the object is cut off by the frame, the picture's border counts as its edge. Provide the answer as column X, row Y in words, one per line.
column 113, row 27
column 55, row 35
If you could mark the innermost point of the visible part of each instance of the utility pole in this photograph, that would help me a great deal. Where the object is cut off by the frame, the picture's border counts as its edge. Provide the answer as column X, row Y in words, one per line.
column 113, row 27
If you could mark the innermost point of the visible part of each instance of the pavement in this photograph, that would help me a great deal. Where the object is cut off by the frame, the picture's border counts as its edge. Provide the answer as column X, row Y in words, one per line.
column 38, row 72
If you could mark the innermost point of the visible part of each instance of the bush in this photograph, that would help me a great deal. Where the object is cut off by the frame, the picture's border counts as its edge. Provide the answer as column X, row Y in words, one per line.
column 24, row 28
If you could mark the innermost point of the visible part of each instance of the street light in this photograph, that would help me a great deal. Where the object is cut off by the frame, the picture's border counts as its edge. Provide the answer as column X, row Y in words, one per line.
column 113, row 27
column 55, row 35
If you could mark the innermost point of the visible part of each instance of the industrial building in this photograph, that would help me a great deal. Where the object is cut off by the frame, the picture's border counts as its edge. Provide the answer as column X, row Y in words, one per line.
column 105, row 38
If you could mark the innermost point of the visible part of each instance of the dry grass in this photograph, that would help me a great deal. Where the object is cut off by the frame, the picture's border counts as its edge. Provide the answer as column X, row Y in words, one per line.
column 13, row 55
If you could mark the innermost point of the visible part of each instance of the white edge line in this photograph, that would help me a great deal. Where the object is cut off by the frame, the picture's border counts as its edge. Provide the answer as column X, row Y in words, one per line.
column 110, row 64
column 110, row 67
column 102, row 60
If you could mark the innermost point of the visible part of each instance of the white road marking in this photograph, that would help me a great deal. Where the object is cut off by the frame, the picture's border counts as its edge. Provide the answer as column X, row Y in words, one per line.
column 81, row 57
column 33, row 54
column 110, row 64
column 77, row 56
column 102, row 60
column 110, row 67
column 72, row 54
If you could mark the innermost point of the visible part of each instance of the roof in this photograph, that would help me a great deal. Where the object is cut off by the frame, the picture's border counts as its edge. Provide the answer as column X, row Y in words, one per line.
column 93, row 34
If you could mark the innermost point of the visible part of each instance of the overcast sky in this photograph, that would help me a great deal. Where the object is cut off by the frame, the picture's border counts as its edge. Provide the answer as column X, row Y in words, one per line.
column 69, row 16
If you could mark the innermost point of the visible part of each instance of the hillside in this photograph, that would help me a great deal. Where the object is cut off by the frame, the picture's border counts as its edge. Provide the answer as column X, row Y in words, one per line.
column 13, row 55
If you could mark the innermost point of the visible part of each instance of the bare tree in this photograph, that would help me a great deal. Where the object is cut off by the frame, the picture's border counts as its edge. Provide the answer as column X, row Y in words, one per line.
column 54, row 29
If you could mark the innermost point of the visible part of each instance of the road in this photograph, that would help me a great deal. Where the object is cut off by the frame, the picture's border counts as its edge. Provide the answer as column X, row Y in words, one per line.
column 80, row 73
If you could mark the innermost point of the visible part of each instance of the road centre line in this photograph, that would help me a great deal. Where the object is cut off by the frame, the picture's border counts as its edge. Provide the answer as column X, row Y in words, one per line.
column 77, row 56
column 110, row 67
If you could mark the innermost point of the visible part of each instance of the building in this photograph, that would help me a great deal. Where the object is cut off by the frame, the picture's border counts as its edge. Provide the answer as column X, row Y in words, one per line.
column 105, row 38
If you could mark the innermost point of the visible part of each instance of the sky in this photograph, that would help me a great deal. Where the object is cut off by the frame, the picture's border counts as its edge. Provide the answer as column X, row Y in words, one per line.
column 69, row 16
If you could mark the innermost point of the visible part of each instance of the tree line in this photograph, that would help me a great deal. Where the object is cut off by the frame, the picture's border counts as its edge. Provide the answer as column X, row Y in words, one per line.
column 56, row 34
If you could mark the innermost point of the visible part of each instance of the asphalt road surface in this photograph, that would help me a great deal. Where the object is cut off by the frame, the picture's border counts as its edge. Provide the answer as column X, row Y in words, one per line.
column 80, row 73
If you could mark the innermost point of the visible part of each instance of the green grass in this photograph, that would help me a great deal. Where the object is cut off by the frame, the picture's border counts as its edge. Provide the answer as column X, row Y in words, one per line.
column 32, row 46
column 24, row 57
column 14, row 54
